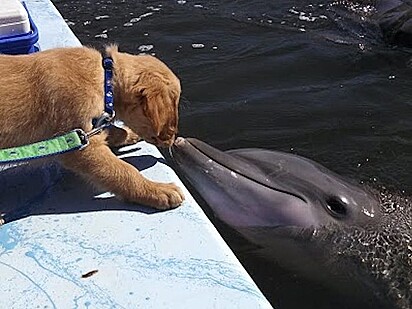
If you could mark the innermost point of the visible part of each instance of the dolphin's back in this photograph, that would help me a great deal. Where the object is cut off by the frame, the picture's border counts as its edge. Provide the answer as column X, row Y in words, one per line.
column 395, row 19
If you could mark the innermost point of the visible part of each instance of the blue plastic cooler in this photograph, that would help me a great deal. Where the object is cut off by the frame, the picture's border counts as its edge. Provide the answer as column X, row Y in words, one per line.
column 21, row 43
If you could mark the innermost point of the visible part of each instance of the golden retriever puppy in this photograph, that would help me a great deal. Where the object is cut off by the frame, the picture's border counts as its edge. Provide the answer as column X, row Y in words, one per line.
column 55, row 91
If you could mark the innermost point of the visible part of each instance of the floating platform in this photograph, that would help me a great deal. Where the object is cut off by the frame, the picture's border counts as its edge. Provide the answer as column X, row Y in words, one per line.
column 65, row 246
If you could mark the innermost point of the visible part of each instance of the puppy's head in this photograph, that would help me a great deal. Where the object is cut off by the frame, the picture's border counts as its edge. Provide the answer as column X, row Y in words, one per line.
column 155, row 118
column 149, row 96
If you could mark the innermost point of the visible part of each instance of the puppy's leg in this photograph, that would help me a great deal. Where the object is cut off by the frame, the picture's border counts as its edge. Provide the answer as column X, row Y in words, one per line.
column 103, row 168
column 121, row 136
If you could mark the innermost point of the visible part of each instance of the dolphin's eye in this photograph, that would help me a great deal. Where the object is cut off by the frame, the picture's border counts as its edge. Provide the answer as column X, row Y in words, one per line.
column 336, row 206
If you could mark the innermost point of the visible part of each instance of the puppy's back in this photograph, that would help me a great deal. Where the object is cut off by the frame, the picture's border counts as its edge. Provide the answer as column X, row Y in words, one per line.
column 37, row 91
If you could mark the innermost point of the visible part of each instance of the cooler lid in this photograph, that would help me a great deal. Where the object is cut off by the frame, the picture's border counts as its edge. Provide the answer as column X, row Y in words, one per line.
column 12, row 11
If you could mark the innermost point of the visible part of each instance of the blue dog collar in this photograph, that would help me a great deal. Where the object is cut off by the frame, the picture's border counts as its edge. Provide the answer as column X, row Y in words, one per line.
column 107, row 117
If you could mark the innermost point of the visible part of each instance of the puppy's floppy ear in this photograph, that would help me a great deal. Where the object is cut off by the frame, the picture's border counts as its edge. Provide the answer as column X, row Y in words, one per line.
column 155, row 97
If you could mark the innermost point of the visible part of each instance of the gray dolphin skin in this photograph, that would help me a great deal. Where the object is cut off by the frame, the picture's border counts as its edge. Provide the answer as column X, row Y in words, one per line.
column 257, row 187
column 308, row 220
column 395, row 19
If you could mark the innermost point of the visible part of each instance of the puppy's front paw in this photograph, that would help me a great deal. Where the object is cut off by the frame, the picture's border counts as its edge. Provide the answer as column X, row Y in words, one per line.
column 122, row 137
column 166, row 196
column 132, row 138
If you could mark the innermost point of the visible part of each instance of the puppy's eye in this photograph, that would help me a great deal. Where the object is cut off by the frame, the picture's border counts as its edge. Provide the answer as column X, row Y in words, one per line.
column 140, row 92
column 142, row 100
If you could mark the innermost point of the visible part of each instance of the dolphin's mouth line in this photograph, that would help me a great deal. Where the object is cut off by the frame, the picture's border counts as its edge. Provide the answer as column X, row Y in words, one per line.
column 250, row 178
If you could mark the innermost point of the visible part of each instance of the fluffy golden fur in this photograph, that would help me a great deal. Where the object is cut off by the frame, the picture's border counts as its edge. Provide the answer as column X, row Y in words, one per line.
column 55, row 91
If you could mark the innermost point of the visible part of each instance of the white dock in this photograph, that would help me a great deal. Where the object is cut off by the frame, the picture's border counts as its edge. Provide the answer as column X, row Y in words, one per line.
column 57, row 231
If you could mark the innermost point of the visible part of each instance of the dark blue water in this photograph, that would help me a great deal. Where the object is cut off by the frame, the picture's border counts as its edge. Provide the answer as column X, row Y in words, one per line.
column 311, row 77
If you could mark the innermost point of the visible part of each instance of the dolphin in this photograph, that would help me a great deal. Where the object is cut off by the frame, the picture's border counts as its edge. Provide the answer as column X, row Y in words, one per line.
column 307, row 219
column 257, row 187
column 395, row 20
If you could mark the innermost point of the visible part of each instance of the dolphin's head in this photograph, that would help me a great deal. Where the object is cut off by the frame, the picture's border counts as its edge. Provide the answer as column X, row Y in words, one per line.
column 309, row 220
column 262, row 188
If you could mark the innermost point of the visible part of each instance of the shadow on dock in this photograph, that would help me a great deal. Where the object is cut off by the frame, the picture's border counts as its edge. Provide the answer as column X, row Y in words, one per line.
column 29, row 190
